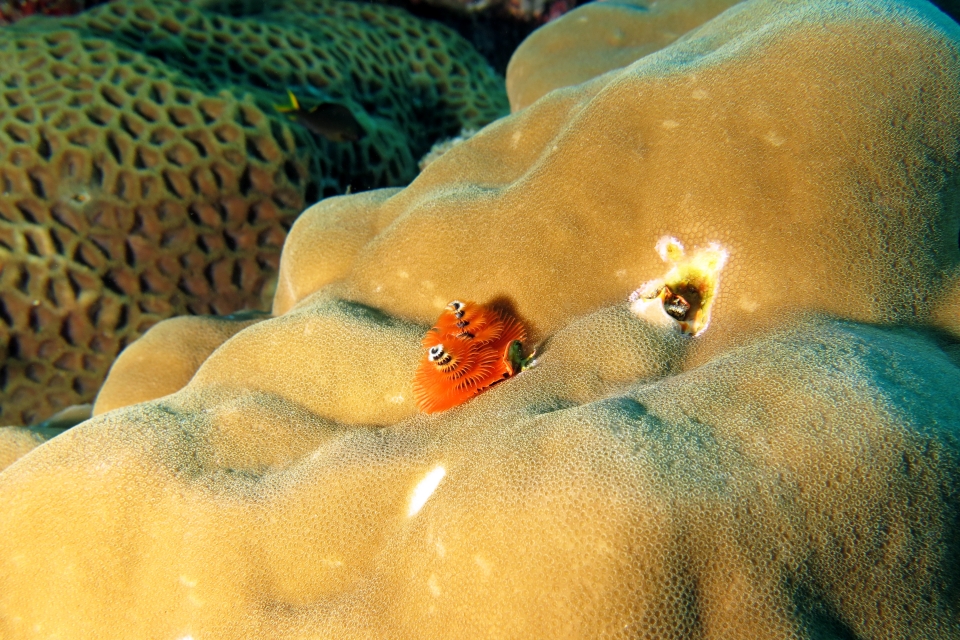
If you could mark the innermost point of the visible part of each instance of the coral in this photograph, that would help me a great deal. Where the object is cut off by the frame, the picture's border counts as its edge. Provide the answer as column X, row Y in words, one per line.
column 15, row 442
column 791, row 472
column 145, row 172
column 153, row 371
column 443, row 146
column 19, row 9
column 599, row 37
column 511, row 12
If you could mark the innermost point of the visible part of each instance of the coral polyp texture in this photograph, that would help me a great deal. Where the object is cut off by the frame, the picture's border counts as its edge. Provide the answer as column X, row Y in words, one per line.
column 793, row 471
column 144, row 172
column 599, row 37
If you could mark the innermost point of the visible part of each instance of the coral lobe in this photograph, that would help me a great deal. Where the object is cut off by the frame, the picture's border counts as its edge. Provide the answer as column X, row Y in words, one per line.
column 789, row 471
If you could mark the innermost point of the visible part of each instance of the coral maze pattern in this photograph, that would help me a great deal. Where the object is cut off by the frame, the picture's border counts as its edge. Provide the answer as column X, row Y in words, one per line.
column 136, row 185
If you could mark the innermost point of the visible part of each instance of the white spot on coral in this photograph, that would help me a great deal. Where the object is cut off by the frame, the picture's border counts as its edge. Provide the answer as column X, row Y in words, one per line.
column 103, row 466
column 670, row 249
column 748, row 304
column 441, row 550
column 651, row 310
column 620, row 273
column 425, row 489
column 698, row 94
column 484, row 566
column 615, row 37
column 187, row 582
column 403, row 274
column 669, row 124
column 515, row 139
column 604, row 548
column 395, row 399
column 774, row 139
column 433, row 585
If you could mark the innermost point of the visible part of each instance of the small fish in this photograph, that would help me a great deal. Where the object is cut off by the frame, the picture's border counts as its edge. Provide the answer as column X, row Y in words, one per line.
column 471, row 348
column 331, row 120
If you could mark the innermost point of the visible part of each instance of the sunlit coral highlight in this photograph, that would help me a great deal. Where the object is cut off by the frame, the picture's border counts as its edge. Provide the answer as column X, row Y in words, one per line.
column 425, row 489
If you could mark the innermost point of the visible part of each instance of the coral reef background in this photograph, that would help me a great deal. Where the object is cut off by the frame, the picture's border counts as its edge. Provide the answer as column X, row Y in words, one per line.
column 145, row 174
column 793, row 472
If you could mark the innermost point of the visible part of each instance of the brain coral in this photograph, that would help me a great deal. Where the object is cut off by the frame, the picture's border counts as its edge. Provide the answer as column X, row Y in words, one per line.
column 137, row 183
column 793, row 472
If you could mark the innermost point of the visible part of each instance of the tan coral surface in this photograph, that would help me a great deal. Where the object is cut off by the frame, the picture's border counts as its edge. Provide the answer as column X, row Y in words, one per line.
column 599, row 37
column 151, row 369
column 794, row 472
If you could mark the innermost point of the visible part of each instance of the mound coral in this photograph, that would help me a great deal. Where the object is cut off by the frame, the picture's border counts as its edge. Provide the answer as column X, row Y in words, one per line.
column 791, row 472
column 13, row 10
column 146, row 174
column 599, row 37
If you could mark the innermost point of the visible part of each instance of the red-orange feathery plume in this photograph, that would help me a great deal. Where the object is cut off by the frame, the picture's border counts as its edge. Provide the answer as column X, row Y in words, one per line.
column 468, row 351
